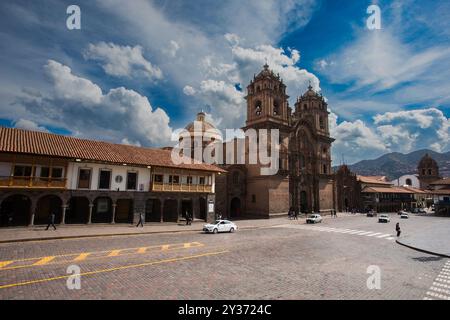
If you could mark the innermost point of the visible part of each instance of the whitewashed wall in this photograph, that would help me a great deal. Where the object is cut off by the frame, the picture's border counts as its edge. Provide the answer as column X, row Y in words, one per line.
column 74, row 167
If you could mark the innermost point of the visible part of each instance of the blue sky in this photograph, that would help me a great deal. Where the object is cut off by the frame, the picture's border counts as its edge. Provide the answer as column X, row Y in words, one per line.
column 138, row 70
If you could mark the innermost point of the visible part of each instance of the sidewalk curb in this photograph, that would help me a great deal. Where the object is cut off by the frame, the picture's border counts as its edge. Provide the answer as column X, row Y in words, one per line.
column 116, row 234
column 422, row 250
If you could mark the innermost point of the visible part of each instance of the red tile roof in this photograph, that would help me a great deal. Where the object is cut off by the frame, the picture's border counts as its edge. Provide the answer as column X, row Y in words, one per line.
column 445, row 181
column 374, row 180
column 47, row 144
column 386, row 190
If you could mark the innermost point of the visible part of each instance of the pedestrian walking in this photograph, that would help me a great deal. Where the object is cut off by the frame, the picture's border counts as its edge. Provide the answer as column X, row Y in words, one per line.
column 397, row 228
column 295, row 214
column 141, row 220
column 51, row 221
column 188, row 219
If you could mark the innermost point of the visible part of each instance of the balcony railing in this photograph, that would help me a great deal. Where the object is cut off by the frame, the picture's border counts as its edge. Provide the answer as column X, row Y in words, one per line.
column 172, row 187
column 32, row 182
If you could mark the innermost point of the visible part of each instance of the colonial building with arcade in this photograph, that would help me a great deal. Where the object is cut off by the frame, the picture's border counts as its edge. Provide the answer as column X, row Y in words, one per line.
column 85, row 181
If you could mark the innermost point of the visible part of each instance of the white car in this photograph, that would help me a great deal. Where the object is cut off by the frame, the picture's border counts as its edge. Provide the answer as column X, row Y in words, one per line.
column 404, row 216
column 314, row 218
column 384, row 218
column 220, row 226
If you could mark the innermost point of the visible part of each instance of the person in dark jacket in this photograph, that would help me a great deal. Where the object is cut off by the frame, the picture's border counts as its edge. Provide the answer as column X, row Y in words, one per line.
column 141, row 220
column 51, row 221
column 397, row 228
column 188, row 219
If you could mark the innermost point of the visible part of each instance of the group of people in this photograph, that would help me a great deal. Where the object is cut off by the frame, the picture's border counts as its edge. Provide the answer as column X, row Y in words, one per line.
column 293, row 214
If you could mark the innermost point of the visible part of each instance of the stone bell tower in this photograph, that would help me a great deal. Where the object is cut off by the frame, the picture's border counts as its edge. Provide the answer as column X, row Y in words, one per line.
column 268, row 108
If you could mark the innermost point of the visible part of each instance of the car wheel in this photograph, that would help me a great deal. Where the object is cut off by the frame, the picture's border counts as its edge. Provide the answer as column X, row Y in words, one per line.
column 232, row 230
column 215, row 231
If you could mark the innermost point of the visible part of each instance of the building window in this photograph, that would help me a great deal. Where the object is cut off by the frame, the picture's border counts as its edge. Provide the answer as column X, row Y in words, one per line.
column 57, row 173
column 104, row 179
column 321, row 123
column 189, row 180
column 423, row 171
column 305, row 107
column 202, row 181
column 174, row 179
column 131, row 180
column 235, row 178
column 408, row 182
column 302, row 161
column 45, row 172
column 253, row 198
column 23, row 171
column 429, row 172
column 325, row 169
column 276, row 108
column 84, row 178
column 158, row 178
column 258, row 108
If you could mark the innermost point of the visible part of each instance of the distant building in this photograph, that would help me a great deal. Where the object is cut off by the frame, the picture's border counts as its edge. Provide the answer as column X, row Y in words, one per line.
column 410, row 180
column 428, row 171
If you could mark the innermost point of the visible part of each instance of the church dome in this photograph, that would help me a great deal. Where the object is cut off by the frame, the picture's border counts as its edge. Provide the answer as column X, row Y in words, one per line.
column 427, row 162
column 201, row 127
column 200, row 119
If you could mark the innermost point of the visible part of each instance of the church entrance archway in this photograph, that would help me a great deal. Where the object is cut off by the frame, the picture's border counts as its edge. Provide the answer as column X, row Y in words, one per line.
column 235, row 207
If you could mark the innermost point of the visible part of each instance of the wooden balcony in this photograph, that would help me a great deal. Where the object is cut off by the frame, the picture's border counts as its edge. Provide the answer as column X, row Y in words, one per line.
column 177, row 187
column 32, row 182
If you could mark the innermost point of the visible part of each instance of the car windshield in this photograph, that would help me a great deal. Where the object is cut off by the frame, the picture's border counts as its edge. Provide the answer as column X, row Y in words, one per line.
column 216, row 222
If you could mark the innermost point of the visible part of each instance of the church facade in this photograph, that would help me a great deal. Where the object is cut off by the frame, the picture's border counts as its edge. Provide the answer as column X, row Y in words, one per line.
column 304, row 180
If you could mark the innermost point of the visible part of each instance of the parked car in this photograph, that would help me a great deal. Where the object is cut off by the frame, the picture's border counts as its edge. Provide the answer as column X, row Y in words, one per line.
column 421, row 210
column 314, row 218
column 401, row 212
column 384, row 218
column 220, row 226
column 404, row 216
column 371, row 213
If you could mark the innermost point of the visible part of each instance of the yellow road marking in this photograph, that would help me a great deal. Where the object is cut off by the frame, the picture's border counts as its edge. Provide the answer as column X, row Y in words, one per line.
column 115, row 269
column 81, row 257
column 84, row 256
column 142, row 250
column 114, row 253
column 43, row 261
column 5, row 263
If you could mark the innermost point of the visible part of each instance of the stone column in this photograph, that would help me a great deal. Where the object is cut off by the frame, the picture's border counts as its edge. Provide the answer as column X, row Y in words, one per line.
column 162, row 210
column 91, row 206
column 114, row 206
column 33, row 212
column 179, row 212
column 63, row 216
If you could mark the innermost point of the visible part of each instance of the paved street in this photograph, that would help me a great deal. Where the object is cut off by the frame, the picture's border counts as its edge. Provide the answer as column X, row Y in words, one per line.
column 290, row 260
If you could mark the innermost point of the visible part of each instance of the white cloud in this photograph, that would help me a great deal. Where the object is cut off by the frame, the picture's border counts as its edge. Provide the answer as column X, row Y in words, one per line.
column 218, row 89
column 121, row 115
column 189, row 91
column 227, row 103
column 29, row 125
column 70, row 87
column 173, row 48
column 124, row 61
column 401, row 131
column 380, row 60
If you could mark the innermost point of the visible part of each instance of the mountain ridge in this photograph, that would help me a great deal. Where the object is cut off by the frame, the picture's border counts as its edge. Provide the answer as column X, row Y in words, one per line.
column 395, row 164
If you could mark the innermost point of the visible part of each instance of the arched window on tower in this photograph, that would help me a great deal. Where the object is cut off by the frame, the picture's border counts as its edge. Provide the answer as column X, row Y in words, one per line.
column 258, row 108
column 276, row 108
column 408, row 182
column 325, row 171
column 321, row 123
